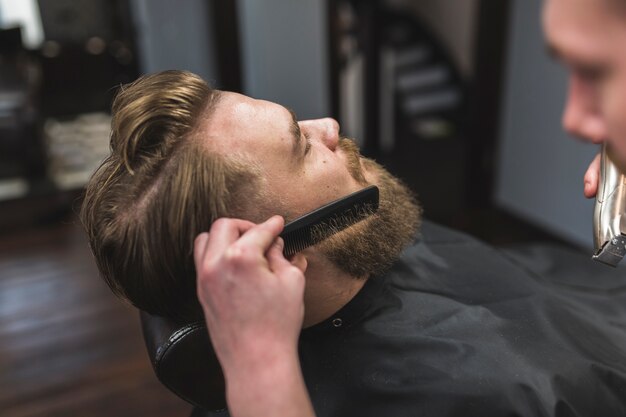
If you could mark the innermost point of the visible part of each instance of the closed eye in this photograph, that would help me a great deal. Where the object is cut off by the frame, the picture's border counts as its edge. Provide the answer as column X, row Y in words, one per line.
column 307, row 147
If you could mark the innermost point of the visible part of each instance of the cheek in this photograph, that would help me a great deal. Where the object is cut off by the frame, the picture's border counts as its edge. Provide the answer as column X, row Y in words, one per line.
column 330, row 176
column 310, row 188
column 328, row 180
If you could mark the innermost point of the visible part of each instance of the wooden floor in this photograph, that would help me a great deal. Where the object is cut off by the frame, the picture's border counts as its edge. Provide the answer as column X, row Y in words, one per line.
column 67, row 346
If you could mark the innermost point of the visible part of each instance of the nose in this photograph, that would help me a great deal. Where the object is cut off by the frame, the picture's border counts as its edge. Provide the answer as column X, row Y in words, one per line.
column 325, row 130
column 581, row 116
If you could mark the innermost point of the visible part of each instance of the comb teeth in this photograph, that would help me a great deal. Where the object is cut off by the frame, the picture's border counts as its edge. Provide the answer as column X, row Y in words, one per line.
column 297, row 240
column 314, row 227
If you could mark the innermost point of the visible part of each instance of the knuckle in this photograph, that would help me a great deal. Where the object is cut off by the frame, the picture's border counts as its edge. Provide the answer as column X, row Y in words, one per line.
column 293, row 272
column 233, row 254
column 239, row 255
column 207, row 271
column 220, row 223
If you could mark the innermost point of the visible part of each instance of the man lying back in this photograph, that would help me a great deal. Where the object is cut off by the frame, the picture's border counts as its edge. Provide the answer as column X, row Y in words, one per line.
column 395, row 322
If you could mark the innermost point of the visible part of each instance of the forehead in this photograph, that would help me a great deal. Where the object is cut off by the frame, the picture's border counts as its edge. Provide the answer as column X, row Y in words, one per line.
column 583, row 29
column 239, row 122
column 235, row 112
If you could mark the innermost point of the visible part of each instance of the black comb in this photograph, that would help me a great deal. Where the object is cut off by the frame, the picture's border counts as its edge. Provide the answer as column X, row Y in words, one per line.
column 329, row 219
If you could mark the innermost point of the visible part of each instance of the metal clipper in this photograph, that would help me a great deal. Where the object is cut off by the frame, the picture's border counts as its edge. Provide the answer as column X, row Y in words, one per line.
column 609, row 223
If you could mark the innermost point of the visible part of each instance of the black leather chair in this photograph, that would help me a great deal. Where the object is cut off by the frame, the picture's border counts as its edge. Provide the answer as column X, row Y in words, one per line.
column 184, row 361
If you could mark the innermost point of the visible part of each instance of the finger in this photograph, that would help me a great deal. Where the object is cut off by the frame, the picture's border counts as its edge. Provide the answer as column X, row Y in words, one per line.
column 223, row 233
column 199, row 247
column 299, row 261
column 283, row 269
column 262, row 236
column 199, row 250
column 592, row 178
column 275, row 257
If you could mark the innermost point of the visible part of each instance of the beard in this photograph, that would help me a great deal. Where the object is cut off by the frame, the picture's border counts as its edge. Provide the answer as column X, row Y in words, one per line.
column 370, row 247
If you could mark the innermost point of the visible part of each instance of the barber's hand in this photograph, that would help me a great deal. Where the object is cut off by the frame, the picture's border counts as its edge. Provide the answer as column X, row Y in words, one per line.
column 592, row 178
column 252, row 299
column 251, row 295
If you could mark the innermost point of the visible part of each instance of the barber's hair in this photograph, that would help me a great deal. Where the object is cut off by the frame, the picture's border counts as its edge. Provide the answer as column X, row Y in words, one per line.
column 157, row 190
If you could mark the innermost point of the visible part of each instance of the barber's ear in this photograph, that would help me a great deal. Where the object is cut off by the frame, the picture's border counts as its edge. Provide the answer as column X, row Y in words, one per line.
column 299, row 261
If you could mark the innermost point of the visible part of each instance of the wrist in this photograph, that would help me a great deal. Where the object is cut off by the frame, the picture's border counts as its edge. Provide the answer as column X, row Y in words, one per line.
column 261, row 360
column 271, row 387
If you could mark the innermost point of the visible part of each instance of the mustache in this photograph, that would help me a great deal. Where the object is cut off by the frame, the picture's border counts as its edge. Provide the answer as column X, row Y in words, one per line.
column 353, row 158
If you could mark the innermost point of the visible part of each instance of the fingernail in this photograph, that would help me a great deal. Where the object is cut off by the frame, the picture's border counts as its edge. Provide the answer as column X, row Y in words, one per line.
column 280, row 242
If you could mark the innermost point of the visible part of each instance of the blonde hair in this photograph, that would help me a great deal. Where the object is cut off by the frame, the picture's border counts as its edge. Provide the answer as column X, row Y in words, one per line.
column 157, row 190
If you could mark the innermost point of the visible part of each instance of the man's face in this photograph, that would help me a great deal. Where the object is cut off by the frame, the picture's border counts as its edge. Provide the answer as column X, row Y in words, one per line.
column 304, row 165
column 588, row 36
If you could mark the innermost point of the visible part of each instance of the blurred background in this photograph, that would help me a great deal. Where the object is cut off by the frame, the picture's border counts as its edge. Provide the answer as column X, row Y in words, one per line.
column 457, row 98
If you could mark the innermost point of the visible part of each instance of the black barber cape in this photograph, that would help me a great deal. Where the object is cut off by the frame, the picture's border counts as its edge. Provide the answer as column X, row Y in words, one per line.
column 458, row 328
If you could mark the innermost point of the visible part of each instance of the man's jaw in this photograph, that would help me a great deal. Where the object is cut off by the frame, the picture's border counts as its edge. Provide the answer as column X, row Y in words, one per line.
column 371, row 246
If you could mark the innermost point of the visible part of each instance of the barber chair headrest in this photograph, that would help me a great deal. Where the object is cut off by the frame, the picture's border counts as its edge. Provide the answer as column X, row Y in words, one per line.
column 184, row 361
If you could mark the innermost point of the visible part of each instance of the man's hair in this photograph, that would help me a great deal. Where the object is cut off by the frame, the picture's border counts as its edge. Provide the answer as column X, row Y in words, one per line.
column 157, row 190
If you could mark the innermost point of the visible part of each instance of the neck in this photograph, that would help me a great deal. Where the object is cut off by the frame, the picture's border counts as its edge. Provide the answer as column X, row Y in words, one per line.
column 327, row 290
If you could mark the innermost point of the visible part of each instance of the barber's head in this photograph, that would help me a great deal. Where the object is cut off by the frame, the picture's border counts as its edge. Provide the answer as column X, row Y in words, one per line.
column 183, row 155
column 588, row 36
